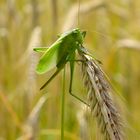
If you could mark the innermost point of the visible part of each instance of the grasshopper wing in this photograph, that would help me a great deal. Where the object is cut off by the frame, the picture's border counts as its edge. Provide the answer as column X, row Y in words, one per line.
column 49, row 59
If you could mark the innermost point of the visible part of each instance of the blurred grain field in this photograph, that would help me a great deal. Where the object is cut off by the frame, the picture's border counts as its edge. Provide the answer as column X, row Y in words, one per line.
column 113, row 36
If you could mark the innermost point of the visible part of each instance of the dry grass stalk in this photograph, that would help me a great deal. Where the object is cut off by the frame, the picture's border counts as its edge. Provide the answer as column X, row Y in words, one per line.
column 82, row 117
column 34, row 41
column 100, row 100
column 129, row 43
column 30, row 128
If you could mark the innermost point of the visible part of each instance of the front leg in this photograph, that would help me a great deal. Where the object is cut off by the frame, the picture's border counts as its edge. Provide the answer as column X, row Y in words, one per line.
column 71, row 81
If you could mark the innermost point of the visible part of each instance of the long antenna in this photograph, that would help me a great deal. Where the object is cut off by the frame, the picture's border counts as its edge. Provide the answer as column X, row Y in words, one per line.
column 78, row 21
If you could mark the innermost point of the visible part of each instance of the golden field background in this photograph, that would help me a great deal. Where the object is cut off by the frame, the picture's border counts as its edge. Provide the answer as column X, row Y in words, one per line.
column 113, row 34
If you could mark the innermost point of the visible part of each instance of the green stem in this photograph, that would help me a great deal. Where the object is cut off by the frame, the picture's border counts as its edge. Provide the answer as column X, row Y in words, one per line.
column 63, row 106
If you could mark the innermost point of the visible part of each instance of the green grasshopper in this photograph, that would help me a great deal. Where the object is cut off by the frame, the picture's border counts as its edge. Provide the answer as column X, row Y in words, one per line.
column 63, row 50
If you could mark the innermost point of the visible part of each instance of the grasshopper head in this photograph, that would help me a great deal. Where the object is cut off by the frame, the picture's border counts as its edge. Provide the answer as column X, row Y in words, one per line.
column 79, row 35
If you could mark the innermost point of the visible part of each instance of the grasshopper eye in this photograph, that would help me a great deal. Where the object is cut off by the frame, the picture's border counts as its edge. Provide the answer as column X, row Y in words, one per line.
column 77, row 42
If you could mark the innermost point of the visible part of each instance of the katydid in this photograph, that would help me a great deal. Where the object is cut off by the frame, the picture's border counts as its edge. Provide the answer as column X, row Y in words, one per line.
column 59, row 53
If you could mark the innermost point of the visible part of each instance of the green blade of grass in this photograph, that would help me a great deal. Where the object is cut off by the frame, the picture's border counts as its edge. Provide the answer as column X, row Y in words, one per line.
column 63, row 106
